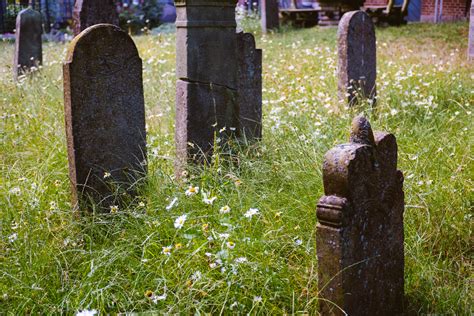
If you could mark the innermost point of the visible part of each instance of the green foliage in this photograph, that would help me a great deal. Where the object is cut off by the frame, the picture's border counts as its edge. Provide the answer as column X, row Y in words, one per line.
column 52, row 261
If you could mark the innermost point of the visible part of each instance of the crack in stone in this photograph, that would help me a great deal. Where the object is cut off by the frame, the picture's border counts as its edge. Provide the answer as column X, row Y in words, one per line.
column 207, row 83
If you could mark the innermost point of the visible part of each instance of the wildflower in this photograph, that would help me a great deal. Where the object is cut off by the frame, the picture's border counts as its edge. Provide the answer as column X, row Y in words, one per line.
column 15, row 191
column 192, row 191
column 113, row 209
column 241, row 260
column 222, row 130
column 196, row 276
column 207, row 200
column 179, row 222
column 157, row 298
column 237, row 182
column 178, row 246
column 13, row 237
column 166, row 251
column 257, row 299
column 86, row 312
column 278, row 215
column 230, row 244
column 205, row 227
column 298, row 242
column 149, row 293
column 141, row 204
column 225, row 209
column 224, row 236
column 57, row 183
column 172, row 204
column 107, row 175
column 251, row 212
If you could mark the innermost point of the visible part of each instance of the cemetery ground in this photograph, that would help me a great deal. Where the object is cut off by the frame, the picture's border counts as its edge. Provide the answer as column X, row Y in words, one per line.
column 238, row 236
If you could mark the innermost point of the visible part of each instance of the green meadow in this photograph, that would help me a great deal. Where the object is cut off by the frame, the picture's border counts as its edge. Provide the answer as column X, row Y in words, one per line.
column 242, row 239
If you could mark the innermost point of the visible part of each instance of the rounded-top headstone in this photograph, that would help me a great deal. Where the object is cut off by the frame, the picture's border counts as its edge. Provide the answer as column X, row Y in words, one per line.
column 28, row 46
column 90, row 12
column 357, row 56
column 105, row 115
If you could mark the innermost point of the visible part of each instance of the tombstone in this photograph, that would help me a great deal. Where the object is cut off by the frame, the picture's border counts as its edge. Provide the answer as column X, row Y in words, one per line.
column 360, row 226
column 249, row 87
column 269, row 15
column 105, row 116
column 357, row 57
column 206, row 67
column 470, row 52
column 28, row 45
column 90, row 12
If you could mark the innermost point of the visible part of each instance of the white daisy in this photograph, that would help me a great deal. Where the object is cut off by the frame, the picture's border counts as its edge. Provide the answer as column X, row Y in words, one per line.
column 251, row 212
column 192, row 191
column 225, row 209
column 179, row 222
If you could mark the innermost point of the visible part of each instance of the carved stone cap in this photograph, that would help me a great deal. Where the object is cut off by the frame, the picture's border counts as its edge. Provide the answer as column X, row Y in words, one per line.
column 213, row 3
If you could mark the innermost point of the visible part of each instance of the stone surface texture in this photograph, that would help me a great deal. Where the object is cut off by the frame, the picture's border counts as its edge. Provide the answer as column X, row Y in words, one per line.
column 356, row 57
column 360, row 226
column 206, row 68
column 249, row 87
column 90, row 12
column 470, row 52
column 269, row 15
column 28, row 45
column 105, row 116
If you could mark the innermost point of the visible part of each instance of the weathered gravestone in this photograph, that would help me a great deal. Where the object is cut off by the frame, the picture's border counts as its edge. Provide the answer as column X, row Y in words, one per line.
column 360, row 229
column 249, row 87
column 105, row 116
column 357, row 57
column 470, row 52
column 269, row 15
column 90, row 12
column 28, row 45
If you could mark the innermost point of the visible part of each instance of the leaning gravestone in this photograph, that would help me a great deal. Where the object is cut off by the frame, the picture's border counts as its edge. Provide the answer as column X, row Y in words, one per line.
column 269, row 15
column 105, row 116
column 90, row 12
column 470, row 52
column 28, row 46
column 206, row 67
column 249, row 87
column 357, row 57
column 360, row 226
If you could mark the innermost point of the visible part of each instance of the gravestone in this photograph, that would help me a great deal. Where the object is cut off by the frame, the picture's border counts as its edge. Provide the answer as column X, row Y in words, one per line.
column 105, row 116
column 28, row 45
column 360, row 226
column 269, row 15
column 357, row 57
column 206, row 67
column 90, row 12
column 249, row 87
column 470, row 52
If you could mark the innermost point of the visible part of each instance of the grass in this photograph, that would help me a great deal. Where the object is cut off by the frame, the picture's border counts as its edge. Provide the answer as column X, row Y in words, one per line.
column 52, row 261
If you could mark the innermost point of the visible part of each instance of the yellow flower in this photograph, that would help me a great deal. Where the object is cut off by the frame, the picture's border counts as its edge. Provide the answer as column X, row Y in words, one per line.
column 178, row 246
column 230, row 244
column 148, row 293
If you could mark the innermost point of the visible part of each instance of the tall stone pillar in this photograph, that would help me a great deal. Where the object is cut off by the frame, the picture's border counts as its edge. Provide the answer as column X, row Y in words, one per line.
column 270, row 16
column 206, row 68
